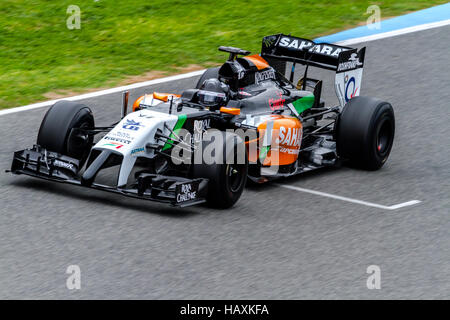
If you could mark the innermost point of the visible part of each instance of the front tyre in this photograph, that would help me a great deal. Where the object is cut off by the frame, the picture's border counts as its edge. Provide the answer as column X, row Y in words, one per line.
column 56, row 134
column 365, row 132
column 227, row 179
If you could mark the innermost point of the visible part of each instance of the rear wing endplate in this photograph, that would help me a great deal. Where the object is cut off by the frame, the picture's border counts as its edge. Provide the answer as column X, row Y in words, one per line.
column 345, row 61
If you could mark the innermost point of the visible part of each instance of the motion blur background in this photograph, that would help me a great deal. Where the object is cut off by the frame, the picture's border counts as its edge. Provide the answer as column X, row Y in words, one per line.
column 125, row 41
column 275, row 243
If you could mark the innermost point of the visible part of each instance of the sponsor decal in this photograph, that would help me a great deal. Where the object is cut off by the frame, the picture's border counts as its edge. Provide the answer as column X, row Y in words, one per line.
column 269, row 41
column 200, row 126
column 132, row 125
column 147, row 116
column 110, row 138
column 289, row 150
column 186, row 192
column 239, row 70
column 264, row 75
column 296, row 44
column 303, row 44
column 276, row 104
column 352, row 63
column 64, row 165
column 326, row 50
column 120, row 134
column 113, row 144
column 137, row 151
column 290, row 137
column 351, row 88
column 244, row 93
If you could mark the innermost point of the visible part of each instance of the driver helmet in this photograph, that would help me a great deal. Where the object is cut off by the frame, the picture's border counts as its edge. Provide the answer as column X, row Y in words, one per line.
column 213, row 93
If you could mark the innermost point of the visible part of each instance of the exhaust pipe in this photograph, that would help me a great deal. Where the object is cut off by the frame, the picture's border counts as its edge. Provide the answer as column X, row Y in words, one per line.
column 125, row 96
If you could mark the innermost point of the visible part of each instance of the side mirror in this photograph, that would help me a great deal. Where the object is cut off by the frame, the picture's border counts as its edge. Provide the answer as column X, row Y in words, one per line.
column 125, row 96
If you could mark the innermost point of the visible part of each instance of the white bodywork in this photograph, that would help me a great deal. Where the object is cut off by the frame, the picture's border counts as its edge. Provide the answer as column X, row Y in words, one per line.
column 130, row 136
column 349, row 76
column 348, row 85
column 150, row 101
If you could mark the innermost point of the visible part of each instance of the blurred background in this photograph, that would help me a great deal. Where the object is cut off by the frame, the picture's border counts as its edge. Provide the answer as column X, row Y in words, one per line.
column 275, row 243
column 52, row 49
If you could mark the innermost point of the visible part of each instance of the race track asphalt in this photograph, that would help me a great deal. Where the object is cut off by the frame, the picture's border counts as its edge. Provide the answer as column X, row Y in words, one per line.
column 275, row 243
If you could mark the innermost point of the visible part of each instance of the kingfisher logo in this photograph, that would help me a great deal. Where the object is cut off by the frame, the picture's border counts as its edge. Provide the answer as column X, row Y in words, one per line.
column 132, row 125
column 276, row 104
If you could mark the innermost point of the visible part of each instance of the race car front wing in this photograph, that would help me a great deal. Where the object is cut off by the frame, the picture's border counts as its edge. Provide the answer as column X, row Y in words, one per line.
column 177, row 191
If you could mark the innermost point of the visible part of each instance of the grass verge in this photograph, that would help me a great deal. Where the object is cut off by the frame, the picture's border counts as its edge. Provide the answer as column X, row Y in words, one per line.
column 40, row 58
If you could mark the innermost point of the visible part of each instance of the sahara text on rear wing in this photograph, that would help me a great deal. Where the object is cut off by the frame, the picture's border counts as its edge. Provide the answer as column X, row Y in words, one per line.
column 345, row 61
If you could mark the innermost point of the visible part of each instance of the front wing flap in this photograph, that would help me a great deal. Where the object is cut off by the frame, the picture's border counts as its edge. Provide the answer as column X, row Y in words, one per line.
column 177, row 191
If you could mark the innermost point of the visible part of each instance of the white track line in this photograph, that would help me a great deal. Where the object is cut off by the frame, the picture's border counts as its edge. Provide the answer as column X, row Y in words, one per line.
column 364, row 203
column 394, row 33
column 103, row 92
column 197, row 73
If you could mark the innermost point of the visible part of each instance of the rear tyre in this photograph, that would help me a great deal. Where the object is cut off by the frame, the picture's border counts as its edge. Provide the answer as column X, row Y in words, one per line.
column 55, row 133
column 211, row 73
column 365, row 132
column 226, row 180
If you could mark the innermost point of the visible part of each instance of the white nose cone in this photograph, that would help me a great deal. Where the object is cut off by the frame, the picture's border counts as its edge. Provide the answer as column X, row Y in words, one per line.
column 130, row 136
column 135, row 131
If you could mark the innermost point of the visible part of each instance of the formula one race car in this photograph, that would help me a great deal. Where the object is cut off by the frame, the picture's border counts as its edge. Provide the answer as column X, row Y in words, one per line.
column 244, row 121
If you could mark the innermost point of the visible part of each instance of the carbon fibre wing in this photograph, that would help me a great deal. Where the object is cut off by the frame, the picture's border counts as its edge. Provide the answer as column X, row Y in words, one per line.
column 177, row 191
column 347, row 62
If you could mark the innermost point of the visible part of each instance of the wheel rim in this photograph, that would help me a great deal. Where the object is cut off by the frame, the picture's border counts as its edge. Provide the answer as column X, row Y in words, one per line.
column 235, row 177
column 77, row 143
column 384, row 137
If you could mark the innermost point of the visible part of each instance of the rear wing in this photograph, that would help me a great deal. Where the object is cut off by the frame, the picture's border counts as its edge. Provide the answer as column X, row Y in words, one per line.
column 345, row 61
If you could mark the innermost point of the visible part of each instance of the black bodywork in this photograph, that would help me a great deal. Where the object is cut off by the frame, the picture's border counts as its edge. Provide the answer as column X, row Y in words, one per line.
column 252, row 91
